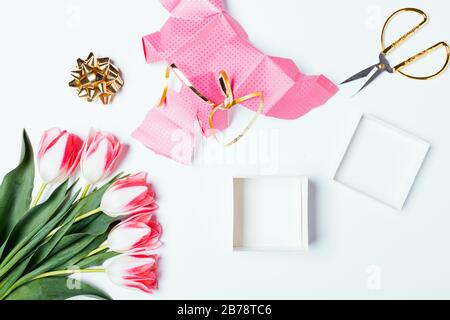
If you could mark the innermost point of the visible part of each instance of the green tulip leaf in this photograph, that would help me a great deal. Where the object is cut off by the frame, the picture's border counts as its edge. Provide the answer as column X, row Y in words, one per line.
column 56, row 262
column 35, row 219
column 61, row 259
column 16, row 191
column 13, row 276
column 47, row 248
column 74, row 261
column 96, row 260
column 31, row 245
column 55, row 288
column 67, row 240
column 94, row 225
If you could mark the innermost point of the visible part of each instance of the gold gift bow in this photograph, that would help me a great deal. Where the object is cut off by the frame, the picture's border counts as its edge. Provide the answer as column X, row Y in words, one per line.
column 96, row 78
column 228, row 103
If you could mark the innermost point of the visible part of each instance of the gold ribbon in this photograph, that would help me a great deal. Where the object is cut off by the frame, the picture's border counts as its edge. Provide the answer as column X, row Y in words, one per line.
column 96, row 78
column 228, row 103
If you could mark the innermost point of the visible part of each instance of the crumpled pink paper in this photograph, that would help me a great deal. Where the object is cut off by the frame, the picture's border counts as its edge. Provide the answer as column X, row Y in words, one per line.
column 201, row 39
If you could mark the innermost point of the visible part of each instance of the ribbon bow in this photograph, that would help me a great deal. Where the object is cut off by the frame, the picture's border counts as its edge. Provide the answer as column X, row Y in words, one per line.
column 96, row 78
column 228, row 103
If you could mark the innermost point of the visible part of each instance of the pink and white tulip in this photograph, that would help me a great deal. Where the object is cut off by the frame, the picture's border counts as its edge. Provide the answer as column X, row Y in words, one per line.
column 58, row 155
column 101, row 152
column 137, row 234
column 129, row 196
column 135, row 271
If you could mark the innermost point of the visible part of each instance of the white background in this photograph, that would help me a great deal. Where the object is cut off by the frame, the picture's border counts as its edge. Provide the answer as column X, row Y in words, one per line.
column 359, row 248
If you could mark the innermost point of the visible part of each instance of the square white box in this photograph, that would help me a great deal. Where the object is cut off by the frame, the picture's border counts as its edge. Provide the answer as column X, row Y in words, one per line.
column 381, row 161
column 270, row 213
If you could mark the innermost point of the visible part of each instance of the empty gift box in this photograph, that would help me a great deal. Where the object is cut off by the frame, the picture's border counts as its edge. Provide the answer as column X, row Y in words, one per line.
column 270, row 214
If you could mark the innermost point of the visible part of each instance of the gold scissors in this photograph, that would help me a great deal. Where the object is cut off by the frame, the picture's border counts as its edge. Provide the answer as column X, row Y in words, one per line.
column 383, row 64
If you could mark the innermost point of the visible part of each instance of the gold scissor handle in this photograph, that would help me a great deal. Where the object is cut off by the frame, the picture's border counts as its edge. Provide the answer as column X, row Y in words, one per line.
column 404, row 37
column 395, row 44
column 425, row 52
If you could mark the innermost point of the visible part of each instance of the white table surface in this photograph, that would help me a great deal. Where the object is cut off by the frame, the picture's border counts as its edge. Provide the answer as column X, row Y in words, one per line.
column 359, row 248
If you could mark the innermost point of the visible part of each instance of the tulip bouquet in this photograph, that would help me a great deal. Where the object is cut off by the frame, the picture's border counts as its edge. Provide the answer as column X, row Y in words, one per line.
column 69, row 230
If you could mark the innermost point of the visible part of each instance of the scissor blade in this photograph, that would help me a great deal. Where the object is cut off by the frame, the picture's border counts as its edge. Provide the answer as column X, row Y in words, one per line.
column 373, row 77
column 362, row 74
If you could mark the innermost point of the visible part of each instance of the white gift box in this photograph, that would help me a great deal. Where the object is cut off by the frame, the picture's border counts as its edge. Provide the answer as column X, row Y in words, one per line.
column 270, row 213
column 381, row 161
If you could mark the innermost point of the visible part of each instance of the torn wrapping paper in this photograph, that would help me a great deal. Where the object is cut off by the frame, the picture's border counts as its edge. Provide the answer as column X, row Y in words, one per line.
column 201, row 39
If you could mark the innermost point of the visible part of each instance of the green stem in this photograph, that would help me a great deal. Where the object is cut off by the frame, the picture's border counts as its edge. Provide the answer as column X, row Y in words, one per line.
column 77, row 219
column 103, row 247
column 85, row 190
column 88, row 214
column 39, row 194
column 68, row 272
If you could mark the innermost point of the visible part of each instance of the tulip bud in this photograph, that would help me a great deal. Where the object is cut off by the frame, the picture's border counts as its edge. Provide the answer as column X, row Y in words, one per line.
column 58, row 155
column 134, row 271
column 128, row 196
column 137, row 234
column 100, row 154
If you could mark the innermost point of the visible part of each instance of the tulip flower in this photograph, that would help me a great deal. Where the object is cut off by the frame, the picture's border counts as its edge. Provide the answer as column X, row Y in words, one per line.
column 58, row 157
column 137, row 271
column 139, row 233
column 134, row 271
column 101, row 152
column 128, row 196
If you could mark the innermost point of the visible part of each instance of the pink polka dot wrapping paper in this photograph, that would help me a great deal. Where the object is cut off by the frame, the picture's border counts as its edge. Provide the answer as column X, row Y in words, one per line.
column 201, row 39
